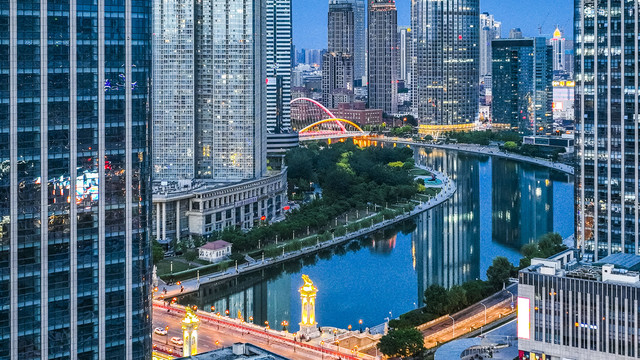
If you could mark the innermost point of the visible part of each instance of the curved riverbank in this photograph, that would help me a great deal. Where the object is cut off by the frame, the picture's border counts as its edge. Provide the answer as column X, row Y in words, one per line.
column 448, row 189
column 485, row 150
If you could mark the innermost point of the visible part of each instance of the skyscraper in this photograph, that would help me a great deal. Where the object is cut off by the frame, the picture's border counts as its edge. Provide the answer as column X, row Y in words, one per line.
column 341, row 27
column 489, row 30
column 278, row 50
column 173, row 106
column 559, row 49
column 447, row 67
column 607, row 131
column 338, row 62
column 522, row 85
column 337, row 78
column 383, row 56
column 515, row 33
column 74, row 181
column 404, row 54
column 360, row 39
column 230, row 90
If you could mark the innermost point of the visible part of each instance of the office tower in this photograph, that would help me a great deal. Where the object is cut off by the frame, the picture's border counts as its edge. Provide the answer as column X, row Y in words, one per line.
column 337, row 75
column 230, row 90
column 74, row 182
column 607, row 134
column 359, row 38
column 522, row 85
column 446, row 72
column 404, row 54
column 173, row 91
column 300, row 57
column 383, row 56
column 489, row 30
column 313, row 56
column 569, row 59
column 338, row 62
column 515, row 33
column 558, row 44
column 568, row 309
column 278, row 50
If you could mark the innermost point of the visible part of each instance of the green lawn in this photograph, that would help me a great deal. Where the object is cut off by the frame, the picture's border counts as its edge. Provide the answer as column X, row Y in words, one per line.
column 419, row 172
column 164, row 267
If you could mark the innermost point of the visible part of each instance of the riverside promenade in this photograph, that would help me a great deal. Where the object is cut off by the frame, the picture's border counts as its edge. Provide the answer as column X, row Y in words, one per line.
column 187, row 286
column 483, row 150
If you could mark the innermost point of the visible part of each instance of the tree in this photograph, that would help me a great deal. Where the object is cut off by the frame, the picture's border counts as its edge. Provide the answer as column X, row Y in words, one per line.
column 435, row 299
column 157, row 252
column 456, row 299
column 510, row 146
column 500, row 272
column 550, row 244
column 191, row 255
column 402, row 342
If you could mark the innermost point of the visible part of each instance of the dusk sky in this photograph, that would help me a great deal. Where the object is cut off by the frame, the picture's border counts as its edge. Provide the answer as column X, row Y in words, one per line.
column 310, row 18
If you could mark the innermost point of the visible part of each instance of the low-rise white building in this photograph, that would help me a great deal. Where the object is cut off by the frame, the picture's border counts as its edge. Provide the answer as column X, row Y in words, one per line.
column 214, row 251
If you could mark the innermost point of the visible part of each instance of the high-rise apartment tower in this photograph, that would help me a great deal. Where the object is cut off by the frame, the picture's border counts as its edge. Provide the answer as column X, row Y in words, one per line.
column 383, row 56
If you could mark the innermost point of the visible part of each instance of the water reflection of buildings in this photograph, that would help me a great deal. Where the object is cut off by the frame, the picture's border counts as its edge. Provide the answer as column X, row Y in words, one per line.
column 383, row 244
column 257, row 297
column 447, row 238
column 522, row 205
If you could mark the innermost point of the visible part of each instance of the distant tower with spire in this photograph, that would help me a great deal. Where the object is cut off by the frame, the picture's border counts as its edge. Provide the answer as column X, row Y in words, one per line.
column 558, row 44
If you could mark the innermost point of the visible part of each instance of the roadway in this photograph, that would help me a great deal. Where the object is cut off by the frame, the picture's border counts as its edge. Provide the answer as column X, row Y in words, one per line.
column 212, row 336
column 470, row 318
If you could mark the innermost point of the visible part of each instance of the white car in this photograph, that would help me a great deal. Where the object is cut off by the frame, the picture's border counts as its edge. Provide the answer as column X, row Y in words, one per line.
column 160, row 331
column 177, row 341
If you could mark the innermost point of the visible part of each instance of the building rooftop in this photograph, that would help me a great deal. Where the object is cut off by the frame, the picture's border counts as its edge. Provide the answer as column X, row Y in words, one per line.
column 215, row 245
column 239, row 351
column 617, row 268
column 624, row 261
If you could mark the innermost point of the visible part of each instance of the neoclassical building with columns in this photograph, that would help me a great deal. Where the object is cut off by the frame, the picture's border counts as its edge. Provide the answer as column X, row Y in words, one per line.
column 181, row 209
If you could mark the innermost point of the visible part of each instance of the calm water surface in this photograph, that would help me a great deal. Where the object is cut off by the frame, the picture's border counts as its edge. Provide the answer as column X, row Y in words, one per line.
column 500, row 205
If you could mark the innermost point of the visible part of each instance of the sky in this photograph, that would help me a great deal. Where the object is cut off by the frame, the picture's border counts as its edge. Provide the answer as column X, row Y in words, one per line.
column 310, row 18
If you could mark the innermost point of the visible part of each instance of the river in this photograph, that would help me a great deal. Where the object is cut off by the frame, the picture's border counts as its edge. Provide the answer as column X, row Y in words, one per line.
column 500, row 205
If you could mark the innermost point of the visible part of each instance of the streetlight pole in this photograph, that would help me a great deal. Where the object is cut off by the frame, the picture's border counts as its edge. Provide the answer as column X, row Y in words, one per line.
column 511, row 296
column 485, row 313
column 453, row 327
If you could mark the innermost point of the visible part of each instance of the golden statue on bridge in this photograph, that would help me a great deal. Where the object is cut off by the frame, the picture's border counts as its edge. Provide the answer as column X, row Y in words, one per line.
column 308, row 325
column 190, row 325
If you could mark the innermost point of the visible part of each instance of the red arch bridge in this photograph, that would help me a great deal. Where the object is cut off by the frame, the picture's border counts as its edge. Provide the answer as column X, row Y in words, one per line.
column 313, row 121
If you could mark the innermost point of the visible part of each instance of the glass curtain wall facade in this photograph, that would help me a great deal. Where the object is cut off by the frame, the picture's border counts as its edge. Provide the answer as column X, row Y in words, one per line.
column 447, row 64
column 75, row 277
column 230, row 90
column 383, row 56
column 522, row 85
column 607, row 129
column 173, row 90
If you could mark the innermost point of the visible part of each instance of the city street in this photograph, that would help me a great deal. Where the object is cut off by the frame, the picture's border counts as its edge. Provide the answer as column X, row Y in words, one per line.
column 471, row 318
column 213, row 336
